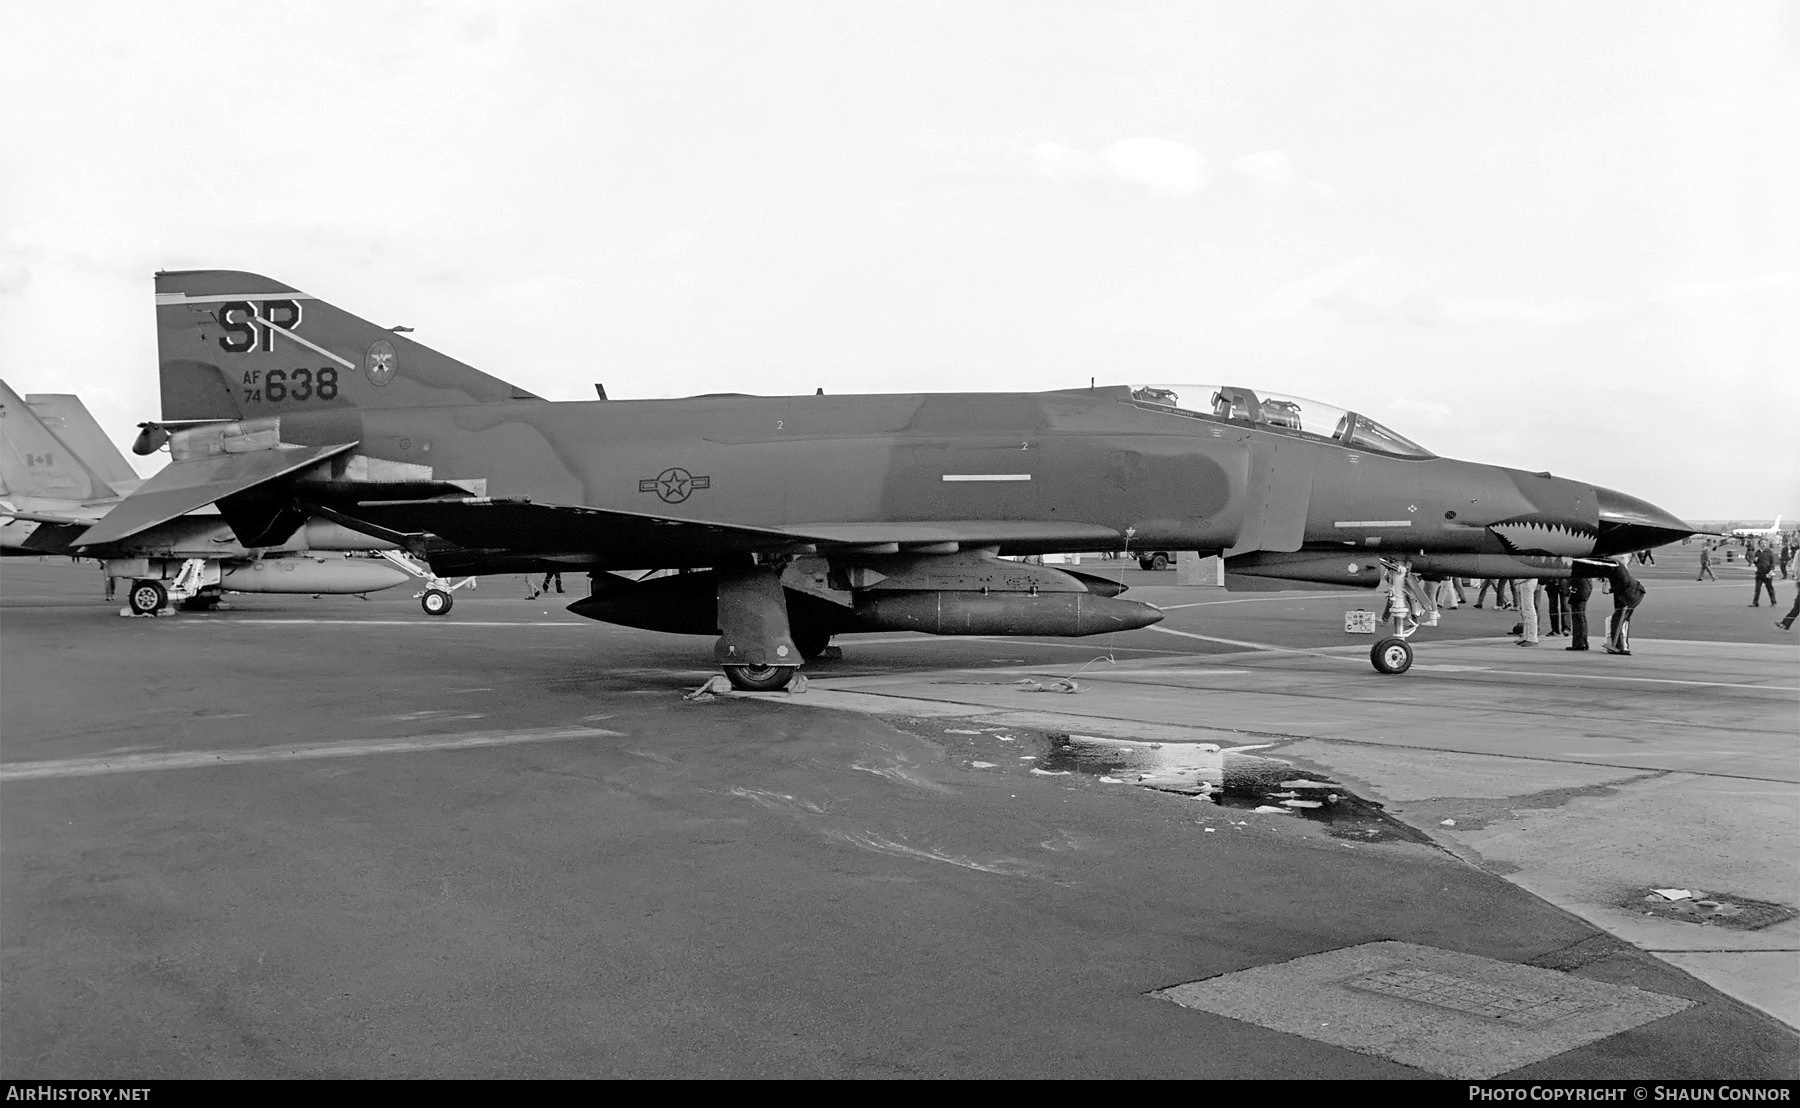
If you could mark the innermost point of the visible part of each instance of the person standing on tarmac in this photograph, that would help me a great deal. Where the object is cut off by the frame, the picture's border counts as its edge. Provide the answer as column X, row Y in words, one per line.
column 1580, row 588
column 1491, row 583
column 1706, row 564
column 1528, row 613
column 1786, row 623
column 1556, row 591
column 1765, row 565
column 1627, row 594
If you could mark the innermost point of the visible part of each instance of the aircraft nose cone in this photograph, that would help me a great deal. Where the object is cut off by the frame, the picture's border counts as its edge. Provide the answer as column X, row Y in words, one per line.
column 1628, row 524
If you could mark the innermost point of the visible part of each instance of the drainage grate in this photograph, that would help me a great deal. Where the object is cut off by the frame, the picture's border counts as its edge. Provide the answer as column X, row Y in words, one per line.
column 1457, row 1015
column 1524, row 1007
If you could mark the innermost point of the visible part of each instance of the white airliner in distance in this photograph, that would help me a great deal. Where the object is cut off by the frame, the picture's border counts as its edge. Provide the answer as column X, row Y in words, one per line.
column 1770, row 531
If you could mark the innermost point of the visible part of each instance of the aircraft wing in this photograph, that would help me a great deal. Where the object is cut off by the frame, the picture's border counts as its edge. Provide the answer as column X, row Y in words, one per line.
column 520, row 526
column 185, row 486
column 638, row 540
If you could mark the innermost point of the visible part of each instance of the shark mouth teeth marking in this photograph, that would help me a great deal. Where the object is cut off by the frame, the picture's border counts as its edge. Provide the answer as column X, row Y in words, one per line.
column 1531, row 537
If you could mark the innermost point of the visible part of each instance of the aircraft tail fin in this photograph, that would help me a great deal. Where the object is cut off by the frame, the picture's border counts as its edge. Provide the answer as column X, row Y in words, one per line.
column 69, row 420
column 35, row 462
column 236, row 345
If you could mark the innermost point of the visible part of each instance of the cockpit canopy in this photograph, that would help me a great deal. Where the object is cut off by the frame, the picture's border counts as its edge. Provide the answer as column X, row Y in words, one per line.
column 1274, row 412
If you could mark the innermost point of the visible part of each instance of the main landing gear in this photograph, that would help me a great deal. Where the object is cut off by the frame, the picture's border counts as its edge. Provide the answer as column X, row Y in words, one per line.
column 757, row 647
column 146, row 597
column 197, row 581
column 436, row 599
column 759, row 678
column 1393, row 654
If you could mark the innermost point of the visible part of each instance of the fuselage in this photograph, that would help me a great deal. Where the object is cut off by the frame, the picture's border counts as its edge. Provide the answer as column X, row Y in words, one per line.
column 1094, row 460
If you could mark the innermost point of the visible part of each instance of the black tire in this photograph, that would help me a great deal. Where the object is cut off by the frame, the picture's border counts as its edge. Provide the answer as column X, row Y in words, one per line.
column 146, row 597
column 1391, row 656
column 436, row 602
column 1159, row 561
column 811, row 643
column 760, row 678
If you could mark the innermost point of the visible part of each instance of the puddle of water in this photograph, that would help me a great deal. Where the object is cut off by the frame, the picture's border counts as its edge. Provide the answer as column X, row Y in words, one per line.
column 1229, row 778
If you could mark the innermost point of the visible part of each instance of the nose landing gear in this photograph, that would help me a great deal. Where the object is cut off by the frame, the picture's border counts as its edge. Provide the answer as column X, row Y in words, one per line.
column 1393, row 654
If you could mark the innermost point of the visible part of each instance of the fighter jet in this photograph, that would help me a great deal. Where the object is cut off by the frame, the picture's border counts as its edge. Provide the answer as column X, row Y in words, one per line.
column 798, row 518
column 60, row 475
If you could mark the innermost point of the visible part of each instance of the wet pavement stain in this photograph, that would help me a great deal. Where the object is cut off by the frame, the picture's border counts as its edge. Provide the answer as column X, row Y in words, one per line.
column 1229, row 778
column 1472, row 813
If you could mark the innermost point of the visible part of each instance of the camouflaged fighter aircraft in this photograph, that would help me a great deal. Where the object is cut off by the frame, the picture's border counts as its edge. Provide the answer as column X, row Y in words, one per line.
column 802, row 517
column 60, row 474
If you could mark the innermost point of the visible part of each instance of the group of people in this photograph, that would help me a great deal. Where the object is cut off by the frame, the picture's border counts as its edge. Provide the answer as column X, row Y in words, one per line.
column 1764, row 559
column 1567, row 600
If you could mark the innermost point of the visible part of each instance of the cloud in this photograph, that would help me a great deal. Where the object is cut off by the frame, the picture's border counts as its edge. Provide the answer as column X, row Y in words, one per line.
column 1064, row 163
column 14, row 274
column 1521, row 311
column 1369, row 287
column 1415, row 410
column 1762, row 290
column 1271, row 167
column 1385, row 290
column 1158, row 165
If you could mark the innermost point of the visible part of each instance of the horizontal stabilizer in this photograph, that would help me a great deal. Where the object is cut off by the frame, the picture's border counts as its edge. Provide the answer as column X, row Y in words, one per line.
column 182, row 487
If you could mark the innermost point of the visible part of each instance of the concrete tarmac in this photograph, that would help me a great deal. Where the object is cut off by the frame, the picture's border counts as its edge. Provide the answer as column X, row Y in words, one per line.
column 338, row 838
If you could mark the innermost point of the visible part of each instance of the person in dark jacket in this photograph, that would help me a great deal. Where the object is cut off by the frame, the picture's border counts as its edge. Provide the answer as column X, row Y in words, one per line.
column 1627, row 594
column 1556, row 590
column 1765, row 565
column 1580, row 588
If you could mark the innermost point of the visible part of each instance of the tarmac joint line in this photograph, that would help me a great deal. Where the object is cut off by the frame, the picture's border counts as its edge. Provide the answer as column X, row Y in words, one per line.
column 198, row 759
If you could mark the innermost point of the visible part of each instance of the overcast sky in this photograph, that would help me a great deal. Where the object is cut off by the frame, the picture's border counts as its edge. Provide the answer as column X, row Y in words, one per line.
column 1550, row 235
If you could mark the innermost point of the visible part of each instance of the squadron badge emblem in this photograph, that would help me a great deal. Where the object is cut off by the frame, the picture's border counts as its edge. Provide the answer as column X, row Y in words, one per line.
column 381, row 362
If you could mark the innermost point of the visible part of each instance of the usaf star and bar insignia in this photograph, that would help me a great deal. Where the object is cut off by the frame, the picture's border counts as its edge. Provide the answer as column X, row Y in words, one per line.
column 673, row 485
